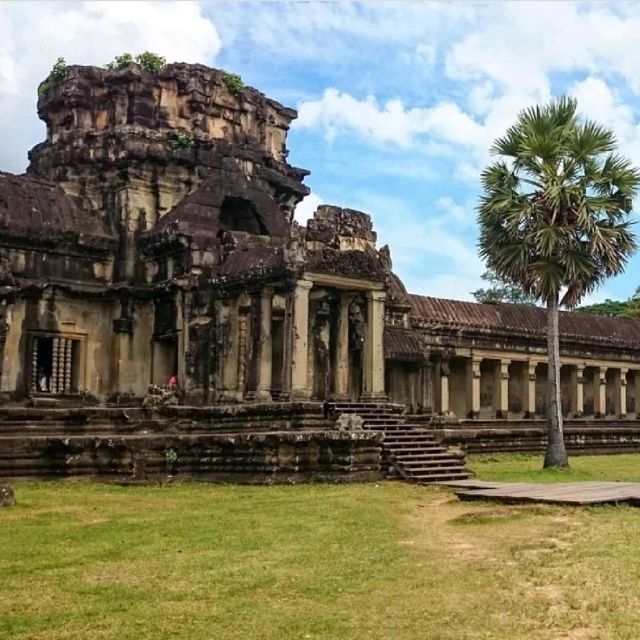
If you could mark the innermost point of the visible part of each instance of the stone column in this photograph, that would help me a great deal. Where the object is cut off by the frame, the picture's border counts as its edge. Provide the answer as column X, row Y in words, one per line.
column 427, row 387
column 444, row 386
column 577, row 401
column 341, row 373
column 501, row 395
column 373, row 372
column 600, row 392
column 263, row 388
column 473, row 387
column 529, row 389
column 300, row 341
column 621, row 393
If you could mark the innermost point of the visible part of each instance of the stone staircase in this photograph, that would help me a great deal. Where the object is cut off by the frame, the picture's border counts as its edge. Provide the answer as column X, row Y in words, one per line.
column 408, row 451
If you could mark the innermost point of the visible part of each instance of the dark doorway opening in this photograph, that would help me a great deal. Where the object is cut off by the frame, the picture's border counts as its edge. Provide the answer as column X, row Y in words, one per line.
column 238, row 214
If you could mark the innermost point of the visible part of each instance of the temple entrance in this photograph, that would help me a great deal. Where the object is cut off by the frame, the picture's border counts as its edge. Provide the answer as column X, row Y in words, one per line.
column 55, row 365
column 165, row 360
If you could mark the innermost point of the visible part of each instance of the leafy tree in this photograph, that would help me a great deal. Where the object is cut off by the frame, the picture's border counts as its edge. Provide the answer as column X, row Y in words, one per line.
column 122, row 61
column 56, row 74
column 501, row 291
column 554, row 217
column 151, row 61
column 148, row 60
column 234, row 83
column 629, row 308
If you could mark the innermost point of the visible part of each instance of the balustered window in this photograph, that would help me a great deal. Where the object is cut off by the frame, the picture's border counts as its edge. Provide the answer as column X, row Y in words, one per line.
column 54, row 365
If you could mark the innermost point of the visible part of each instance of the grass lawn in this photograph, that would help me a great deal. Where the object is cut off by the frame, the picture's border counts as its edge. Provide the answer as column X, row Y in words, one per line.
column 528, row 468
column 386, row 561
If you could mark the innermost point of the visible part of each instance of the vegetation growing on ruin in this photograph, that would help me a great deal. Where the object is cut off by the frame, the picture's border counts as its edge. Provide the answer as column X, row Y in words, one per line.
column 147, row 60
column 56, row 74
column 318, row 562
column 183, row 140
column 233, row 82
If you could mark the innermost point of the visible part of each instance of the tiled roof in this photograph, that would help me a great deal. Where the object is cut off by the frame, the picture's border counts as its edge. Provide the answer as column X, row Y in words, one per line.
column 34, row 208
column 403, row 344
column 524, row 320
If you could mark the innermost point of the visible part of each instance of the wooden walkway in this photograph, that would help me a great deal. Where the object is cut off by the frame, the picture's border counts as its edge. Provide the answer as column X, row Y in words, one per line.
column 575, row 493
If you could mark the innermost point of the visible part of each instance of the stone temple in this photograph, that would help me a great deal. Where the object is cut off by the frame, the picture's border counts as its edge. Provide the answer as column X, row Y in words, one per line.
column 152, row 239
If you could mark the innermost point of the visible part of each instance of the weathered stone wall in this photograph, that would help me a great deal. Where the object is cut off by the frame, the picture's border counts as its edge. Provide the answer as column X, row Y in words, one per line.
column 529, row 436
column 106, row 361
column 256, row 443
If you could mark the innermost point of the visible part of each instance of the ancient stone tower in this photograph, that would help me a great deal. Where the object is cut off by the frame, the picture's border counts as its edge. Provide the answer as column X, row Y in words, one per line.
column 134, row 143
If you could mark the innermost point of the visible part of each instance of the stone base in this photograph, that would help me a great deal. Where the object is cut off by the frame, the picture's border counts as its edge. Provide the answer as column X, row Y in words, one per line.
column 257, row 443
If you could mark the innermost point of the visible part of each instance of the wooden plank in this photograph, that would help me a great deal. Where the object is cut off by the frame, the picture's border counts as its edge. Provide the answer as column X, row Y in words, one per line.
column 561, row 493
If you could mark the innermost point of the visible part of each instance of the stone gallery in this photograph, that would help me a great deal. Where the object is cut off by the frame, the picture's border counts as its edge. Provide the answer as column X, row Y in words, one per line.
column 151, row 244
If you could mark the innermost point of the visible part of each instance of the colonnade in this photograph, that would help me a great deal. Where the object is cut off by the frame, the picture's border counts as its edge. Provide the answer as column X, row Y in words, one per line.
column 249, row 371
column 479, row 386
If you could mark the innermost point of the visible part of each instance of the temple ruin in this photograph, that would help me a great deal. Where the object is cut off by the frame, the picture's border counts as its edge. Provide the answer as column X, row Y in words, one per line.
column 152, row 238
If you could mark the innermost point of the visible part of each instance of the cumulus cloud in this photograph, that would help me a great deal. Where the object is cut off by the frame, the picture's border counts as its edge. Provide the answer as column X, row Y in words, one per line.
column 337, row 111
column 33, row 35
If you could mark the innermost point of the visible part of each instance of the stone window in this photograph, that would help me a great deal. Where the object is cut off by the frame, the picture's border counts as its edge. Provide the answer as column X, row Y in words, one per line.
column 54, row 364
column 238, row 214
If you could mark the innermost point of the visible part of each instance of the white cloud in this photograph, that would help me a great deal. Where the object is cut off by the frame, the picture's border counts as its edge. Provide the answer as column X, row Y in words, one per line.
column 307, row 207
column 33, row 35
column 392, row 122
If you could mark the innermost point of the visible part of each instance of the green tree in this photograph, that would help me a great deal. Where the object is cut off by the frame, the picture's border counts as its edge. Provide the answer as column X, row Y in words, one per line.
column 501, row 291
column 554, row 217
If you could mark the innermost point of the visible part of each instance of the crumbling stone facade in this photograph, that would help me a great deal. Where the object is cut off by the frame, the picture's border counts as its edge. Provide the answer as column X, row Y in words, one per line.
column 153, row 237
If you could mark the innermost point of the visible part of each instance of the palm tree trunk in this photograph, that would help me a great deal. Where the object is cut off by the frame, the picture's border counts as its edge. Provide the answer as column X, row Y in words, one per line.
column 556, row 454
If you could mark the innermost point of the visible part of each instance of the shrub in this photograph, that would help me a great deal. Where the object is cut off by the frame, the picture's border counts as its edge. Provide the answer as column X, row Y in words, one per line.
column 56, row 74
column 148, row 60
column 234, row 83
column 122, row 61
column 183, row 141
column 151, row 61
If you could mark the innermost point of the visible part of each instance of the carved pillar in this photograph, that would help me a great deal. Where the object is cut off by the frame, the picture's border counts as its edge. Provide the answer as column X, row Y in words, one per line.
column 300, row 340
column 243, row 335
column 501, row 389
column 342, row 350
column 287, row 332
column 600, row 392
column 529, row 389
column 265, row 347
column 444, row 386
column 473, row 387
column 620, row 399
column 374, row 350
column 427, row 387
column 577, row 382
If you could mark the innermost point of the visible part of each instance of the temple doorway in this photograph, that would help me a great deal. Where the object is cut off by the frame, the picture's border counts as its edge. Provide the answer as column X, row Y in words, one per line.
column 165, row 360
column 55, row 365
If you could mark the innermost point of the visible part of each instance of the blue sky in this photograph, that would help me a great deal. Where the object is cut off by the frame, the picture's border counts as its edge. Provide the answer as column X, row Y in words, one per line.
column 398, row 102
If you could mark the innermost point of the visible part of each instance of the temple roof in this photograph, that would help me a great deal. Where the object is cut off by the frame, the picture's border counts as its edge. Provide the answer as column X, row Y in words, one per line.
column 33, row 208
column 521, row 319
column 401, row 343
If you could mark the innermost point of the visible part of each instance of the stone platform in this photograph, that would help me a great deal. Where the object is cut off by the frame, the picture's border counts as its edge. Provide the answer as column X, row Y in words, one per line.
column 582, row 436
column 272, row 443
column 569, row 493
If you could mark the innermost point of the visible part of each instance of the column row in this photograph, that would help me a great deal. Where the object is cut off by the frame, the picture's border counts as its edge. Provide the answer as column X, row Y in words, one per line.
column 477, row 387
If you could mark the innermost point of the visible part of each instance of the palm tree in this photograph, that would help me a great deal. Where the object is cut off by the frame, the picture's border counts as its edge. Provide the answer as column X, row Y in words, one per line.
column 554, row 219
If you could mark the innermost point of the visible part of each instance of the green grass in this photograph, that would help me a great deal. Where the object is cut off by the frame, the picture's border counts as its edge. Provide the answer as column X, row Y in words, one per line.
column 528, row 468
column 377, row 561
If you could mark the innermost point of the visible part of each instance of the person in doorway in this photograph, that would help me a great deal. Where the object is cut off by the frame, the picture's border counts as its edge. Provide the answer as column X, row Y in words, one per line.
column 173, row 381
column 43, row 380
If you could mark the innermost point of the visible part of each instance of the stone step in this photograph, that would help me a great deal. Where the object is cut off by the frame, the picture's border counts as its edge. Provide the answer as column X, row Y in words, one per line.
column 442, row 478
column 424, row 455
